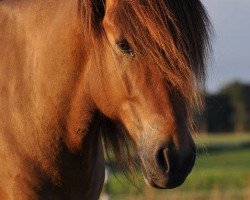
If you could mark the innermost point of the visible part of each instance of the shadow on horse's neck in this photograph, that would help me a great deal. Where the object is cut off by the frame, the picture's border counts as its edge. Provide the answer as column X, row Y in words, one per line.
column 85, row 169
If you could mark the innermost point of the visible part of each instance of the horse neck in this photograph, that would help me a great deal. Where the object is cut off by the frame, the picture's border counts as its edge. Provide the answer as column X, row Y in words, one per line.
column 47, row 77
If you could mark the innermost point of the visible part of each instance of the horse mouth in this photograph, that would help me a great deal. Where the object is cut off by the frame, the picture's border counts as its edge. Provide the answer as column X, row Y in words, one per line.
column 169, row 186
column 162, row 181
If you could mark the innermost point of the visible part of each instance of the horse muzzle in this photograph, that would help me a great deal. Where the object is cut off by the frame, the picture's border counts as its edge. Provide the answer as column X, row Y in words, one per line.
column 164, row 166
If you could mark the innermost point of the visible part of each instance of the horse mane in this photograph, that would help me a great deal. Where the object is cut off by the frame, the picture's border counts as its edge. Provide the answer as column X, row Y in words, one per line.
column 174, row 34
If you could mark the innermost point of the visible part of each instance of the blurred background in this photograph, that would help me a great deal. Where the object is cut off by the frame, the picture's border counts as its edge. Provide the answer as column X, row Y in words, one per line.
column 222, row 169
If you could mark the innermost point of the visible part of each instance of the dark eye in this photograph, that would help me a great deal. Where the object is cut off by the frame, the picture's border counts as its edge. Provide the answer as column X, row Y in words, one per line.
column 124, row 46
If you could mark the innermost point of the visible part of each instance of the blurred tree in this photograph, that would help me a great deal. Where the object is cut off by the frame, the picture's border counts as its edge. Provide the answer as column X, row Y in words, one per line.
column 229, row 109
column 239, row 95
column 218, row 113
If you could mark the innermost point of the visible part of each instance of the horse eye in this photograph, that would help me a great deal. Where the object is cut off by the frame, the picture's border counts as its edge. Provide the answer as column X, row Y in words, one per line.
column 124, row 46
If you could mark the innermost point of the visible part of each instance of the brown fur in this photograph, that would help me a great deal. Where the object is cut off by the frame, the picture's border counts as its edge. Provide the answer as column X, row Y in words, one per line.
column 64, row 84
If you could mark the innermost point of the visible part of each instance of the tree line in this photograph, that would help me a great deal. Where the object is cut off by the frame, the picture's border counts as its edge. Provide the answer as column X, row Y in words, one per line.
column 227, row 110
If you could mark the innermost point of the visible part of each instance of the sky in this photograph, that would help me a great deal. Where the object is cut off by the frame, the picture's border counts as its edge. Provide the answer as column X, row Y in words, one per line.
column 231, row 44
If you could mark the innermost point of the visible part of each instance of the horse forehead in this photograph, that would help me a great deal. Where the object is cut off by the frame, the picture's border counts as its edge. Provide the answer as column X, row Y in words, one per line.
column 108, row 22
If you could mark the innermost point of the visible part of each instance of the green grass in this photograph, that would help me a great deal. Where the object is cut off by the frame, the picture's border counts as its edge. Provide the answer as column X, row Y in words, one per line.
column 225, row 170
column 224, row 173
column 221, row 139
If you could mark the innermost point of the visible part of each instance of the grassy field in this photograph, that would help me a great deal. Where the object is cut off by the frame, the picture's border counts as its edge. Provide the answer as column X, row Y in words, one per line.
column 222, row 171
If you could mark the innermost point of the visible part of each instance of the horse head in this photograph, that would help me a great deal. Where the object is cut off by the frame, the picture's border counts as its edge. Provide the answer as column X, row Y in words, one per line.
column 146, row 59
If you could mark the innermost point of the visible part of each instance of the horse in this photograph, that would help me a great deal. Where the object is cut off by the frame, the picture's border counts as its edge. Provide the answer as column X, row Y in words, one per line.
column 77, row 76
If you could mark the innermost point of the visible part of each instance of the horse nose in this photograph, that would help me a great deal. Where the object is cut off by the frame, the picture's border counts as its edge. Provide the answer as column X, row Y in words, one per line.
column 175, row 164
column 162, row 159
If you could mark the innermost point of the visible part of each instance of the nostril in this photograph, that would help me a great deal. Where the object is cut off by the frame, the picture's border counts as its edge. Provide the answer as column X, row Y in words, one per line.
column 166, row 156
column 163, row 159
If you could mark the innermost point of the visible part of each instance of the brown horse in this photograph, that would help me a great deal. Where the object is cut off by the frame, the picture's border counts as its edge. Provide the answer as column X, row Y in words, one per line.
column 74, row 72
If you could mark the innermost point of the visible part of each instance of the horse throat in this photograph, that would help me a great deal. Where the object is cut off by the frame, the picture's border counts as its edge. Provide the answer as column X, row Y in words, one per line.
column 83, row 172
